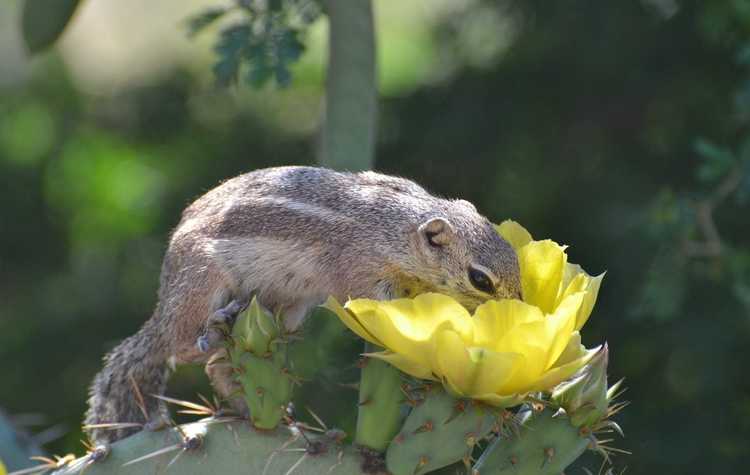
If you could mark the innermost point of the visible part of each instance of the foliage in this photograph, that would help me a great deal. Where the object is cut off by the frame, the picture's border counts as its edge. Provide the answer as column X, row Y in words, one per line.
column 261, row 45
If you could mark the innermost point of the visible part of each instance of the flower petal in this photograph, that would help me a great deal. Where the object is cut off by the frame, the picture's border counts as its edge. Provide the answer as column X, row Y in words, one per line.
column 404, row 364
column 542, row 264
column 575, row 279
column 350, row 320
column 418, row 318
column 573, row 351
column 406, row 326
column 560, row 326
column 531, row 340
column 516, row 235
column 496, row 318
column 558, row 374
column 492, row 369
column 592, row 292
column 474, row 370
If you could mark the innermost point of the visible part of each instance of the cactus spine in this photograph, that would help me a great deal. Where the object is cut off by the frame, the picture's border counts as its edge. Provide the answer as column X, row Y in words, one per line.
column 380, row 400
column 439, row 431
column 258, row 353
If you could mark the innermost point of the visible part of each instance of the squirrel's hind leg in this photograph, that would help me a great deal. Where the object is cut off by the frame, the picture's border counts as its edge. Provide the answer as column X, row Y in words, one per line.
column 221, row 375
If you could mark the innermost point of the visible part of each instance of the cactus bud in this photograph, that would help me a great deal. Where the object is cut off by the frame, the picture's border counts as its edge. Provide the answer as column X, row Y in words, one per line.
column 255, row 329
column 585, row 397
column 260, row 362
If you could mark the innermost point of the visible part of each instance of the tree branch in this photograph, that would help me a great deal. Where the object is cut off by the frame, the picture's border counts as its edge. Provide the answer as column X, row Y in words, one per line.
column 349, row 119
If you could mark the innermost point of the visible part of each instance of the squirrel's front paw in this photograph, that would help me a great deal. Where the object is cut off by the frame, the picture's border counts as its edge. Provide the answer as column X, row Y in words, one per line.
column 218, row 326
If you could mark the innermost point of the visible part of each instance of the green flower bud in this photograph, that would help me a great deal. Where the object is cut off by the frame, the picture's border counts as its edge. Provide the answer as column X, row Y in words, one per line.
column 585, row 397
column 255, row 329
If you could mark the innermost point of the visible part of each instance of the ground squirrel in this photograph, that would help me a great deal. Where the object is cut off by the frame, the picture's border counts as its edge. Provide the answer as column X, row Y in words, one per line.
column 292, row 236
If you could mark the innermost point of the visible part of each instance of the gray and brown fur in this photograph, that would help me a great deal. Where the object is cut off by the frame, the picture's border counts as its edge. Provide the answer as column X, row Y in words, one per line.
column 293, row 236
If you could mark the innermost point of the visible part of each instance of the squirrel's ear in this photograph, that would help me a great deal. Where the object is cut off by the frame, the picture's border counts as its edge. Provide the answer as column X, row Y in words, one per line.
column 437, row 232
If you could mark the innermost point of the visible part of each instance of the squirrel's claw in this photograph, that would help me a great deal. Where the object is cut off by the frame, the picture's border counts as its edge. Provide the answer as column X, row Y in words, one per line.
column 218, row 325
column 203, row 344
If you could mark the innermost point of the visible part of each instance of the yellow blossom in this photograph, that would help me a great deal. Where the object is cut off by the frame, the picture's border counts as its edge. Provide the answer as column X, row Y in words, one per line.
column 507, row 348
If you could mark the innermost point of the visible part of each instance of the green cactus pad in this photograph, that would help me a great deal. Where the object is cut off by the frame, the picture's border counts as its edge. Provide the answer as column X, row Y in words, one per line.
column 380, row 400
column 543, row 445
column 222, row 448
column 440, row 431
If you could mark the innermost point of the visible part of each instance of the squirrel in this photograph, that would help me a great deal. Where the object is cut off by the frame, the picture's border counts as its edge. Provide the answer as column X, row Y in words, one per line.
column 292, row 236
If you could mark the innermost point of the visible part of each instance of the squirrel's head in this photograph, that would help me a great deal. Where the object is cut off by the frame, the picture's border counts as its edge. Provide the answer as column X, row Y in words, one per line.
column 464, row 257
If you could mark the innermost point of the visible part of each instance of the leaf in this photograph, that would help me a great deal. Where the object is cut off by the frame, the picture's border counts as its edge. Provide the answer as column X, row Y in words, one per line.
column 289, row 48
column 259, row 71
column 43, row 21
column 265, row 43
column 232, row 43
column 198, row 22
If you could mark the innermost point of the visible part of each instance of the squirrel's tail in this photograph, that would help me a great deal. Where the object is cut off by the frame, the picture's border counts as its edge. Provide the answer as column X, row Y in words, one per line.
column 122, row 392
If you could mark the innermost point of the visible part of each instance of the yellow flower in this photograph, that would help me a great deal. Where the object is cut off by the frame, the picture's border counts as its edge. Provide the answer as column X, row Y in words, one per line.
column 507, row 348
column 547, row 277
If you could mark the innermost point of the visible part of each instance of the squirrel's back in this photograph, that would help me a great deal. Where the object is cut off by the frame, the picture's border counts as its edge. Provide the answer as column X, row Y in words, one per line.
column 295, row 224
column 284, row 201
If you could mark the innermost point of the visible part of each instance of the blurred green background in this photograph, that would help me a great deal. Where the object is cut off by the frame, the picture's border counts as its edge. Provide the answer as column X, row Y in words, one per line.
column 619, row 128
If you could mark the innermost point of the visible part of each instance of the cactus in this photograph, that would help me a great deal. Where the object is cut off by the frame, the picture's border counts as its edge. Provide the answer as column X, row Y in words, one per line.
column 441, row 434
column 543, row 445
column 221, row 447
column 258, row 353
column 546, row 441
column 380, row 400
column 439, row 431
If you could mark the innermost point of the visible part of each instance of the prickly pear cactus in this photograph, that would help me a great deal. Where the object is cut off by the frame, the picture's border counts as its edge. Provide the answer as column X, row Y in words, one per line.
column 439, row 431
column 220, row 447
column 258, row 353
column 543, row 444
column 380, row 401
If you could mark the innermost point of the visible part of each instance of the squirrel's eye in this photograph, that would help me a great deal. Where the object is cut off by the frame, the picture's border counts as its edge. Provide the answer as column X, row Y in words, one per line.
column 481, row 281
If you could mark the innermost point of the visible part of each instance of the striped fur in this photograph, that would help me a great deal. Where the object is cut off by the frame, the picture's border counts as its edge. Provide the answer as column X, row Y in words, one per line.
column 292, row 236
